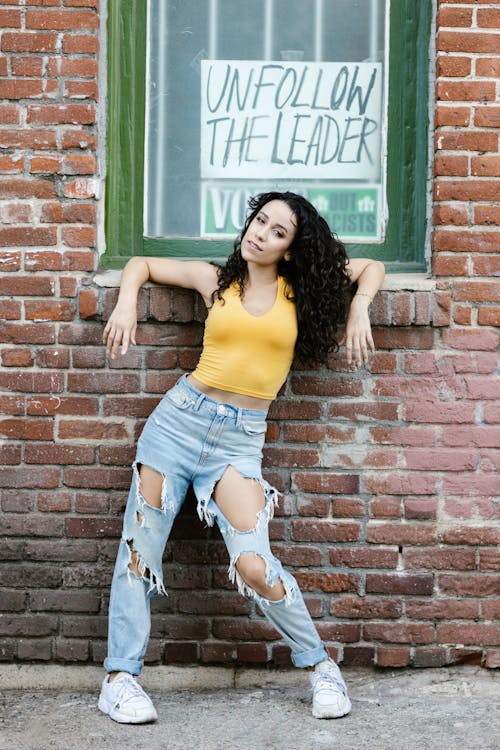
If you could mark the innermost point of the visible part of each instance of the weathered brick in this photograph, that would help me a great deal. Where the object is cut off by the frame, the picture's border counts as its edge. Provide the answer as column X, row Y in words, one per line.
column 451, row 164
column 108, row 382
column 463, row 141
column 470, row 633
column 80, row 44
column 66, row 550
column 59, row 114
column 399, row 632
column 10, row 454
column 359, row 656
column 363, row 557
column 58, row 454
column 16, row 357
column 50, row 405
column 400, row 583
column 89, row 627
column 487, row 214
column 217, row 653
column 489, row 559
column 181, row 653
column 400, row 533
column 49, row 310
column 13, row 601
column 8, row 650
column 488, row 18
column 37, row 477
column 458, row 41
column 64, row 601
column 317, row 386
column 9, row 112
column 213, row 604
column 431, row 656
column 28, row 42
column 470, row 584
column 31, row 576
column 91, row 503
column 61, row 19
column 492, row 660
column 27, row 66
column 454, row 16
column 488, row 67
column 473, row 535
column 393, row 656
column 473, row 91
column 34, row 650
column 90, row 528
column 328, row 582
column 448, row 66
column 325, row 531
column 14, row 165
column 78, row 236
column 489, row 316
column 366, row 608
column 68, row 650
column 88, row 429
column 385, row 507
column 329, row 483
column 290, row 457
column 409, row 483
column 98, row 478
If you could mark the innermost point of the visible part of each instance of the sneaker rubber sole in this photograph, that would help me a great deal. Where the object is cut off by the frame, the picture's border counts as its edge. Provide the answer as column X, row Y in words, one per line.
column 326, row 712
column 107, row 708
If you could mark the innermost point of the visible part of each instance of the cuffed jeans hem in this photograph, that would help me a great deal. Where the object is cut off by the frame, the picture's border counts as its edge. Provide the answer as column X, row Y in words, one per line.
column 122, row 665
column 310, row 658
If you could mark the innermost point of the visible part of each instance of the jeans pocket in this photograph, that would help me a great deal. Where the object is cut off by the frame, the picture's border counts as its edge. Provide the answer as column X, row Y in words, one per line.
column 254, row 426
column 179, row 398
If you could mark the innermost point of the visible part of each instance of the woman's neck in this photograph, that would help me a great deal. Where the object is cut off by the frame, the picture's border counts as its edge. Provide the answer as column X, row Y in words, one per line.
column 260, row 277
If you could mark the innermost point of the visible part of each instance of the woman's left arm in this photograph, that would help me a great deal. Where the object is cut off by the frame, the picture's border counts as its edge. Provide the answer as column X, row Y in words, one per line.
column 369, row 275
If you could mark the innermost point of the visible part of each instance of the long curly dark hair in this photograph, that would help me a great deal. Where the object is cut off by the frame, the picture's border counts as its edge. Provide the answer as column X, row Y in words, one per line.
column 316, row 275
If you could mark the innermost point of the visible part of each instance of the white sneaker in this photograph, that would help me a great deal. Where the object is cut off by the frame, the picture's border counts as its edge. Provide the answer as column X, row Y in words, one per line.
column 330, row 700
column 125, row 701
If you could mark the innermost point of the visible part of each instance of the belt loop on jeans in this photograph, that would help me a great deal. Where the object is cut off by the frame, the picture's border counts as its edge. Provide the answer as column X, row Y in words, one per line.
column 238, row 417
column 199, row 401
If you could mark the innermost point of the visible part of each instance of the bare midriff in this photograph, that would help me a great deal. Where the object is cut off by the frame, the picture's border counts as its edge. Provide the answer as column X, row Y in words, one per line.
column 228, row 397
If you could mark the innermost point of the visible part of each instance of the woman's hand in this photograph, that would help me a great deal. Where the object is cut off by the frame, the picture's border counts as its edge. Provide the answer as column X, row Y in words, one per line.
column 120, row 328
column 358, row 333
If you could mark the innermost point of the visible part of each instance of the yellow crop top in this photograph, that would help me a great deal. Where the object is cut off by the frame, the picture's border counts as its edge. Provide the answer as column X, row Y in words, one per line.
column 244, row 353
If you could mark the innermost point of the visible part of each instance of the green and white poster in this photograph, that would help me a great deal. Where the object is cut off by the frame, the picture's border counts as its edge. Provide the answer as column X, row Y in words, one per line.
column 352, row 212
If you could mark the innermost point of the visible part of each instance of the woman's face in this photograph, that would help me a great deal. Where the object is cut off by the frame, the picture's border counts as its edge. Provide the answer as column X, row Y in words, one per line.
column 269, row 234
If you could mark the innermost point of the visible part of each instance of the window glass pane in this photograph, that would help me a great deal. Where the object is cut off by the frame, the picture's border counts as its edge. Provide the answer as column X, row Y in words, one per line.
column 274, row 94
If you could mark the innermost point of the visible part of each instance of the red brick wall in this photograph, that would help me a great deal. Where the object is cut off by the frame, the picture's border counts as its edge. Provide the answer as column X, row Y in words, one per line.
column 389, row 512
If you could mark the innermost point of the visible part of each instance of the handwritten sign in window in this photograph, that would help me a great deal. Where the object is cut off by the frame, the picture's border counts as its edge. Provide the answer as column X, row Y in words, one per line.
column 291, row 120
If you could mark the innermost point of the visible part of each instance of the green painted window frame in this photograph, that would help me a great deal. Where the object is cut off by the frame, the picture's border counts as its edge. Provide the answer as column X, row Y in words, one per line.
column 407, row 138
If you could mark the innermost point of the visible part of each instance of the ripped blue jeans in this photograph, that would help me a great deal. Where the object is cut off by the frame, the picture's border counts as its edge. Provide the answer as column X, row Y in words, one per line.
column 190, row 438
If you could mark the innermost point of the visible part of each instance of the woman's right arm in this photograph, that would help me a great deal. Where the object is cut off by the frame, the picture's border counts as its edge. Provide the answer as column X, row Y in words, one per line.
column 122, row 324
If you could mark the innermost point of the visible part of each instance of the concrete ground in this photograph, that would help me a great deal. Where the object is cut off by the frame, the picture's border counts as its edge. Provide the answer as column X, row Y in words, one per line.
column 428, row 709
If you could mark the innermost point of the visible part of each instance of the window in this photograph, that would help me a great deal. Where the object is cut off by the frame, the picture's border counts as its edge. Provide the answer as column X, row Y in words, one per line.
column 210, row 102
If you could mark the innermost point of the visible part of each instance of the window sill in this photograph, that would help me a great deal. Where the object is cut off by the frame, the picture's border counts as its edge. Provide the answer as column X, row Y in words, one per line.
column 394, row 282
column 404, row 300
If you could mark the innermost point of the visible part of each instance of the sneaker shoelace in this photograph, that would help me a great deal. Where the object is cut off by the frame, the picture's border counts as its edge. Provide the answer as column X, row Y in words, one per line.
column 127, row 688
column 324, row 679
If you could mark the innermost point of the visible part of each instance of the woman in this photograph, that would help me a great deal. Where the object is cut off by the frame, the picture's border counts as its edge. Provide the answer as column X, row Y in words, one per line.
column 282, row 293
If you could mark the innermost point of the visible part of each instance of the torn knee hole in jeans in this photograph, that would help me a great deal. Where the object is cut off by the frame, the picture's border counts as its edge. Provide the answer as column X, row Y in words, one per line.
column 263, row 516
column 137, row 565
column 138, row 568
column 273, row 573
column 157, row 496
